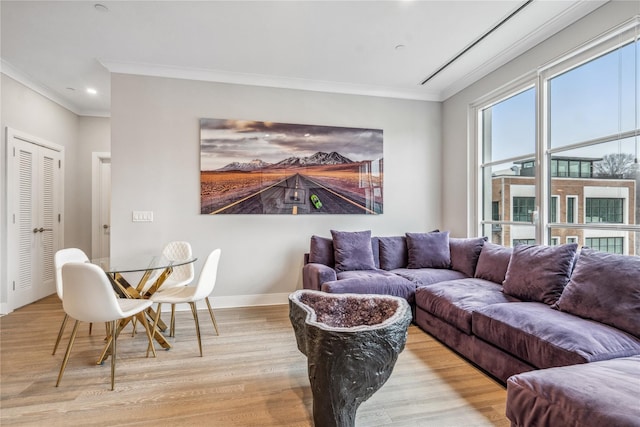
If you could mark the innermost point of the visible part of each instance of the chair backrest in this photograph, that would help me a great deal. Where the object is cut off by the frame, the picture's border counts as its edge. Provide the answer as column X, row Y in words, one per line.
column 62, row 257
column 179, row 251
column 88, row 294
column 208, row 274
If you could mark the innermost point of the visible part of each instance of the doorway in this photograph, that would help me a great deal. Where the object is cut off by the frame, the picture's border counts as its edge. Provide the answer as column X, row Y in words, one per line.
column 101, row 205
column 35, row 191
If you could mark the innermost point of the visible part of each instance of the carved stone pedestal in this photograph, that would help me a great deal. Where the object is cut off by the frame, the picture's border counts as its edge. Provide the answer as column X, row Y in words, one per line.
column 352, row 342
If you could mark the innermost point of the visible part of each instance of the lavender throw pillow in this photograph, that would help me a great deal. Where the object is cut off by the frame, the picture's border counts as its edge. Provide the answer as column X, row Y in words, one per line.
column 493, row 262
column 352, row 250
column 393, row 252
column 465, row 253
column 321, row 251
column 606, row 288
column 539, row 273
column 428, row 250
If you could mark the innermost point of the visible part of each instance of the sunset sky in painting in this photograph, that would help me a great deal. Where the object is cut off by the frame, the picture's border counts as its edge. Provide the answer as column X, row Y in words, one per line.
column 226, row 141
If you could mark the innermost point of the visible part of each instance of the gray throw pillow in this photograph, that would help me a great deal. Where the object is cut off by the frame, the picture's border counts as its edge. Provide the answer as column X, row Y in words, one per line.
column 352, row 250
column 465, row 253
column 606, row 288
column 321, row 251
column 428, row 250
column 493, row 262
column 539, row 273
column 393, row 252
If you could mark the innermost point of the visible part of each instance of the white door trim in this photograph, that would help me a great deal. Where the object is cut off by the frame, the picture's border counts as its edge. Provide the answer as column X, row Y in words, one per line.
column 97, row 157
column 10, row 135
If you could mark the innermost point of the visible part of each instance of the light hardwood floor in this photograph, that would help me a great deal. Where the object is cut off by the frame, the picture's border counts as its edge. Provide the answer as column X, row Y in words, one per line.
column 251, row 375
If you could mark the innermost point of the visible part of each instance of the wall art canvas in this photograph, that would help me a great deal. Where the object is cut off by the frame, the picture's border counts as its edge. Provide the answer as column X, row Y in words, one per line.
column 253, row 167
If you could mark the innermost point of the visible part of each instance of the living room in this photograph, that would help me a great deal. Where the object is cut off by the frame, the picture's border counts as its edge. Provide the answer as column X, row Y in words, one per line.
column 152, row 134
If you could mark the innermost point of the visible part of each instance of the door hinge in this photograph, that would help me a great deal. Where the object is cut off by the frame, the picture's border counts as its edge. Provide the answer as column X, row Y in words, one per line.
column 14, row 218
column 14, row 151
column 58, row 217
column 14, row 285
column 59, row 164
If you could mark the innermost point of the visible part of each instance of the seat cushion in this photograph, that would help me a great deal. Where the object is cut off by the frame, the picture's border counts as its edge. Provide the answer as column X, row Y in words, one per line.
column 453, row 301
column 592, row 395
column 427, row 276
column 377, row 282
column 546, row 338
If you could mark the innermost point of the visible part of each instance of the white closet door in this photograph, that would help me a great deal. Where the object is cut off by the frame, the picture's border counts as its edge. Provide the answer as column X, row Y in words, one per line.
column 34, row 188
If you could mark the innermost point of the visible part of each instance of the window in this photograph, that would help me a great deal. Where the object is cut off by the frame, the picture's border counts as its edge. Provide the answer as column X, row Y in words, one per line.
column 572, row 239
column 571, row 209
column 495, row 211
column 612, row 245
column 580, row 117
column 555, row 241
column 604, row 210
column 553, row 214
column 524, row 242
column 523, row 208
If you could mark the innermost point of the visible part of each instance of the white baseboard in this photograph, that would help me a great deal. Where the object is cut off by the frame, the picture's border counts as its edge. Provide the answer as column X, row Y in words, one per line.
column 238, row 301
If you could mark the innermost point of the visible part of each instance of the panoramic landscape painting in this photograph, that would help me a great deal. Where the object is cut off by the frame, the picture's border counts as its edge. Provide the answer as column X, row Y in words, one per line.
column 252, row 167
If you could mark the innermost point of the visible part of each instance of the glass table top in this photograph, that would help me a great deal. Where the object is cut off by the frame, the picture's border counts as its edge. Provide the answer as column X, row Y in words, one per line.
column 138, row 263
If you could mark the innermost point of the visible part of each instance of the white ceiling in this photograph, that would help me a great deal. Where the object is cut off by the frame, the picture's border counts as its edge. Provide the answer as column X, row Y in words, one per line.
column 62, row 47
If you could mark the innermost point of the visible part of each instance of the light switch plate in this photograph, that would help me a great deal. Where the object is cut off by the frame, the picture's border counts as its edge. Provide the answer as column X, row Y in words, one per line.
column 142, row 216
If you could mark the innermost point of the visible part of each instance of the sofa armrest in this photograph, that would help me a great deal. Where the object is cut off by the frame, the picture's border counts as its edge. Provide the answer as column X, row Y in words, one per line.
column 314, row 275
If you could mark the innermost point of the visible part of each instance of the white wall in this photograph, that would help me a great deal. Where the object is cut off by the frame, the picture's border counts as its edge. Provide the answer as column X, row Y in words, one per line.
column 155, row 167
column 457, row 161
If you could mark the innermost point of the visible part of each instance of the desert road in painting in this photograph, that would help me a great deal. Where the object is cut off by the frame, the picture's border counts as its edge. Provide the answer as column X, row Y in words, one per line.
column 292, row 196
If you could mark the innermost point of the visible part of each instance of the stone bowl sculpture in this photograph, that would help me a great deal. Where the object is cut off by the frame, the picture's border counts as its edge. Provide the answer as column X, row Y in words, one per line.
column 352, row 342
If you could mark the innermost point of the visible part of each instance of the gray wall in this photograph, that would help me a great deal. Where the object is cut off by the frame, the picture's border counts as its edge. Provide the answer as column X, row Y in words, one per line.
column 456, row 188
column 155, row 167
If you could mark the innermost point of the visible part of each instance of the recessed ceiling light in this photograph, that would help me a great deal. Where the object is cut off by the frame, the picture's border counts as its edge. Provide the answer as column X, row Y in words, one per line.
column 100, row 7
column 91, row 91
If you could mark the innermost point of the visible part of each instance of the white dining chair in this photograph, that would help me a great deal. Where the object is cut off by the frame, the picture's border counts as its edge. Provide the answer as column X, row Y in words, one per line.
column 182, row 275
column 193, row 294
column 60, row 258
column 89, row 297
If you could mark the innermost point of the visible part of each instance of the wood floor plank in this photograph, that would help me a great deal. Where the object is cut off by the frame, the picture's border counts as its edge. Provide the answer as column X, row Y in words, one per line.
column 250, row 375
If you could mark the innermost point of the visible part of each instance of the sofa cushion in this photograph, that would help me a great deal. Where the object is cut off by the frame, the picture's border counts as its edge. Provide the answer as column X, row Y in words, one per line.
column 596, row 394
column 377, row 282
column 453, row 301
column 428, row 250
column 465, row 253
column 427, row 276
column 545, row 338
column 605, row 287
column 493, row 262
column 393, row 252
column 352, row 250
column 321, row 251
column 539, row 273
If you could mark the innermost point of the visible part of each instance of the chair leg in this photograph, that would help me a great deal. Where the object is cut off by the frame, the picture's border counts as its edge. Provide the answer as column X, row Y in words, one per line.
column 154, row 327
column 194, row 310
column 213, row 318
column 62, row 326
column 113, row 355
column 68, row 352
column 143, row 320
column 172, row 328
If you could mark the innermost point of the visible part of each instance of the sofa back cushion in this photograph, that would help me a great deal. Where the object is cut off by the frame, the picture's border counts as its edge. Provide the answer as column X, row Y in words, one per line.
column 493, row 262
column 353, row 250
column 428, row 250
column 539, row 273
column 465, row 253
column 606, row 288
column 393, row 252
column 321, row 251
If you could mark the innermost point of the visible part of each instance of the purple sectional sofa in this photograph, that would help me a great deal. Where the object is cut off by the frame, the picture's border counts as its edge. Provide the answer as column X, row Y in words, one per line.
column 507, row 310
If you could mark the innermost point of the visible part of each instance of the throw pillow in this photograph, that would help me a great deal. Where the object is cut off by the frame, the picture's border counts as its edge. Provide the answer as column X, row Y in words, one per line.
column 428, row 250
column 393, row 252
column 321, row 251
column 493, row 262
column 539, row 273
column 352, row 250
column 606, row 288
column 465, row 253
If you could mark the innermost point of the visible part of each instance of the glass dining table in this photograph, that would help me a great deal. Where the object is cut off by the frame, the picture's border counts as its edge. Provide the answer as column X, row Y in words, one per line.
column 150, row 272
